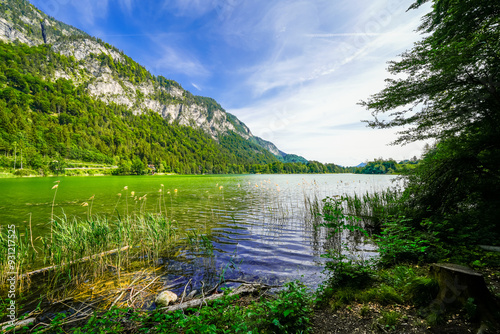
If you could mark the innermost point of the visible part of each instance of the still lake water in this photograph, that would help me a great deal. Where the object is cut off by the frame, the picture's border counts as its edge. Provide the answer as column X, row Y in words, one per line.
column 259, row 226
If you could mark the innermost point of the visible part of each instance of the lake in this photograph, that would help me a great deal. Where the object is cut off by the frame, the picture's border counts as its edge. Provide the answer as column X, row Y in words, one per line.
column 260, row 226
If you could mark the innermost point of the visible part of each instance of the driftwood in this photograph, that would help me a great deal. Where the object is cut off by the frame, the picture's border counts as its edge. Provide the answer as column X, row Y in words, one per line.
column 490, row 248
column 459, row 285
column 224, row 281
column 243, row 289
column 83, row 259
column 17, row 325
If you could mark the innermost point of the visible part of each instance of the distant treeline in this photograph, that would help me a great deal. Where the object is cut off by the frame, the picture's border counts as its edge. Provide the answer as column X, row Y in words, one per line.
column 381, row 166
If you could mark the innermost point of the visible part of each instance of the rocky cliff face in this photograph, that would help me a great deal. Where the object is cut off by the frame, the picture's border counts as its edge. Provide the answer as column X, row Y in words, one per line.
column 105, row 82
column 9, row 33
column 21, row 21
column 98, row 70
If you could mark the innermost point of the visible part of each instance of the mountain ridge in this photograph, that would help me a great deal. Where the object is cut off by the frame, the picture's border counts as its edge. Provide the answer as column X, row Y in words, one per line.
column 111, row 76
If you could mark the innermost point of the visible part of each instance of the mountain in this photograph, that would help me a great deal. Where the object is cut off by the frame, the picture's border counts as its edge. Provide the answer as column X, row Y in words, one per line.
column 105, row 73
column 65, row 94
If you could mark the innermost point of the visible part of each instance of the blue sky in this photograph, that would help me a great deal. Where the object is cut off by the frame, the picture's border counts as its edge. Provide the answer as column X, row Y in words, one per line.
column 292, row 70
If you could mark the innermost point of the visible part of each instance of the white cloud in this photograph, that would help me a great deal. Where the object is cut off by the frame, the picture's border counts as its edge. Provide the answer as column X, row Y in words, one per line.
column 189, row 8
column 306, row 91
column 127, row 6
column 176, row 60
column 304, row 49
column 89, row 10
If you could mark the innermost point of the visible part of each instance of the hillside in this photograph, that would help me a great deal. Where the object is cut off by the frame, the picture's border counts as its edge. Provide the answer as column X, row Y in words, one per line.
column 67, row 94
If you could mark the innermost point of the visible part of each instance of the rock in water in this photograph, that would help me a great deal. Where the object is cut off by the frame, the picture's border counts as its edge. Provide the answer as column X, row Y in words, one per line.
column 165, row 298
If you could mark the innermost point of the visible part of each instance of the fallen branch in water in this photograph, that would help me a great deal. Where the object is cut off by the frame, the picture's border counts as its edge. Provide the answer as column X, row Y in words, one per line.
column 131, row 299
column 243, row 289
column 209, row 292
column 83, row 259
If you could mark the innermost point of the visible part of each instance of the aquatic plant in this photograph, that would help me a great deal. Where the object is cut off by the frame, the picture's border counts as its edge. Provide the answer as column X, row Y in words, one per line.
column 56, row 186
column 373, row 208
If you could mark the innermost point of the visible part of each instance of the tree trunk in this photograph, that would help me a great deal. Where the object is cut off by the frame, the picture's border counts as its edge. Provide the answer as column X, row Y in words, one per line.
column 460, row 286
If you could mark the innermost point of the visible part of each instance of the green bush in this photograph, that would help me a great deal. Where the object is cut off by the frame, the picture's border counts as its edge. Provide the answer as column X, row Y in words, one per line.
column 290, row 312
column 389, row 319
column 399, row 242
column 383, row 294
column 349, row 273
column 25, row 172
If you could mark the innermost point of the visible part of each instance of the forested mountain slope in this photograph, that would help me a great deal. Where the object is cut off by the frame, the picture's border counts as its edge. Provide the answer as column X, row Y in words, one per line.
column 66, row 94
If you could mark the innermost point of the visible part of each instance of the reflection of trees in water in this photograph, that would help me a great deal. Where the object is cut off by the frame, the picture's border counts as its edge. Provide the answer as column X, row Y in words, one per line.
column 276, row 228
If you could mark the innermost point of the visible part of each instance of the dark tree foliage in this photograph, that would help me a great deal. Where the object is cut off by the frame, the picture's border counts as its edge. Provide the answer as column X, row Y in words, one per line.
column 451, row 79
column 449, row 89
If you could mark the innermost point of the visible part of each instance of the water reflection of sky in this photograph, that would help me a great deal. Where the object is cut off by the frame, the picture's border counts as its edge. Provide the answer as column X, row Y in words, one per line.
column 266, row 232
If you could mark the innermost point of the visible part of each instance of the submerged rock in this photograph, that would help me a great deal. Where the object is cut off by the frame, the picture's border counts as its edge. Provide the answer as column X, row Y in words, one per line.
column 165, row 298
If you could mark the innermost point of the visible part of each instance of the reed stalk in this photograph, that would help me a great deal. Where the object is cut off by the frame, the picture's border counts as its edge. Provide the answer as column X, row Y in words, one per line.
column 31, row 235
column 56, row 186
column 159, row 199
column 126, row 199
column 91, row 199
column 164, row 205
column 118, row 201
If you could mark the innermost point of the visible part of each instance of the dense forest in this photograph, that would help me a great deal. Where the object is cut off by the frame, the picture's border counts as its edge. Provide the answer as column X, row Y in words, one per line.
column 42, row 121
column 57, row 120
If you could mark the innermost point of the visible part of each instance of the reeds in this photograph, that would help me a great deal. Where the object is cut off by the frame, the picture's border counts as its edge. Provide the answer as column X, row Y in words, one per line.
column 147, row 235
column 16, row 254
column 374, row 208
column 77, row 249
column 56, row 186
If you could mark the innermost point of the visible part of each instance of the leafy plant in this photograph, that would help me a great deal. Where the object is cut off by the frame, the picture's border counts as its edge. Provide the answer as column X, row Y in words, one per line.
column 389, row 319
column 470, row 308
column 335, row 218
column 346, row 269
column 348, row 272
column 290, row 312
column 399, row 242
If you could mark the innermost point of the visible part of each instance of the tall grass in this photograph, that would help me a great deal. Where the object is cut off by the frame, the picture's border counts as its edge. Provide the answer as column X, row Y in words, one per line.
column 74, row 245
column 374, row 208
column 23, row 254
column 371, row 208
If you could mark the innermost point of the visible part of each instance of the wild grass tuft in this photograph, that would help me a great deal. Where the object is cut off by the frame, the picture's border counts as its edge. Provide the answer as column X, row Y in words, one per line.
column 76, row 249
column 374, row 208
